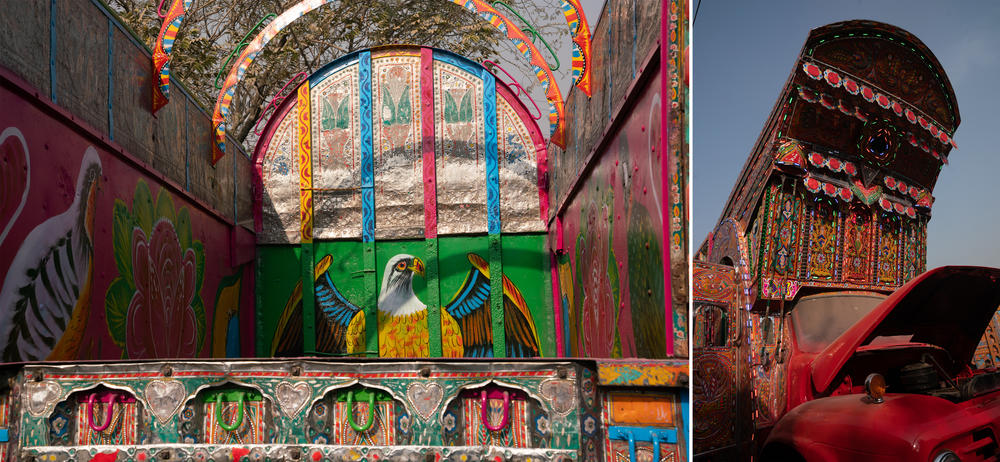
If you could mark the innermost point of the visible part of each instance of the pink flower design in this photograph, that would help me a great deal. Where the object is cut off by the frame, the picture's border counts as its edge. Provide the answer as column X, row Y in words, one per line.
column 161, row 322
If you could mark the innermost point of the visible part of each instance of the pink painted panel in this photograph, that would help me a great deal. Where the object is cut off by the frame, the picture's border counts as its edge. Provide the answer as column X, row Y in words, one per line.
column 107, row 259
column 613, row 238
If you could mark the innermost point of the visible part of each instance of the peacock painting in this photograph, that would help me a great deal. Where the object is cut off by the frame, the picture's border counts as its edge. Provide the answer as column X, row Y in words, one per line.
column 402, row 317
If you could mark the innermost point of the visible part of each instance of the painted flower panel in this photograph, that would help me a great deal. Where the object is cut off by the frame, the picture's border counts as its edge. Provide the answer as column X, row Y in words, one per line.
column 165, row 288
column 154, row 307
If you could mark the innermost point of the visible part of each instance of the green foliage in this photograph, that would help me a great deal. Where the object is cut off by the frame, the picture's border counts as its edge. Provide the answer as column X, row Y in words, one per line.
column 121, row 231
column 183, row 227
column 199, row 318
column 399, row 112
column 199, row 260
column 327, row 121
column 344, row 115
column 613, row 279
column 116, row 302
column 404, row 114
column 142, row 209
column 164, row 207
column 454, row 112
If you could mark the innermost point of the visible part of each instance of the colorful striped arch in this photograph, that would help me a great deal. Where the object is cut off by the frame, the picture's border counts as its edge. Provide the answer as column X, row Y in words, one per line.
column 483, row 10
column 161, row 51
column 580, row 31
column 575, row 19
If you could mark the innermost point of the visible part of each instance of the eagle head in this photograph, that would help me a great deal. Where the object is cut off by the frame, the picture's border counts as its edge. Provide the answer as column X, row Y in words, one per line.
column 396, row 296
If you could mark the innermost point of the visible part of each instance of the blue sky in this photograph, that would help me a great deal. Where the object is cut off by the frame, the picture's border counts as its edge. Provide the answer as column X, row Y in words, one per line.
column 744, row 50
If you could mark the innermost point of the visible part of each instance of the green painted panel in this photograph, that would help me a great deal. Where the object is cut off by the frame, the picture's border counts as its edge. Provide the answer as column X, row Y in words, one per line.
column 278, row 274
column 525, row 264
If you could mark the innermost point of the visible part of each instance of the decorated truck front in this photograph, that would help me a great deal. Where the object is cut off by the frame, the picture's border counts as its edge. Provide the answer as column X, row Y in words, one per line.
column 828, row 216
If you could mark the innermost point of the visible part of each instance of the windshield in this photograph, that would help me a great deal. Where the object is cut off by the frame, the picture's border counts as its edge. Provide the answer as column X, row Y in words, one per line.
column 820, row 319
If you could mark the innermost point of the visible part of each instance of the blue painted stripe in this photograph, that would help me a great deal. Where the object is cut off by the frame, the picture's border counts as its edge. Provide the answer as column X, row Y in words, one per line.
column 459, row 62
column 492, row 162
column 332, row 68
column 644, row 434
column 365, row 87
column 567, row 344
column 233, row 337
column 367, row 150
column 685, row 411
column 52, row 51
column 368, row 214
column 4, row 435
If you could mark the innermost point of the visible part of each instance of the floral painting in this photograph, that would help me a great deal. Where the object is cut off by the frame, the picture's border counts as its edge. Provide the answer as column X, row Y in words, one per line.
column 154, row 307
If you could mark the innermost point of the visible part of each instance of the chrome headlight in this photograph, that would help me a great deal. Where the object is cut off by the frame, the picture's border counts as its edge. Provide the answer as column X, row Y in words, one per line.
column 946, row 456
column 875, row 389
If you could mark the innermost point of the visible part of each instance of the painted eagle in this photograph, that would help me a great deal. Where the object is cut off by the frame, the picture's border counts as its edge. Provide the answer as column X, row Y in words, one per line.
column 402, row 317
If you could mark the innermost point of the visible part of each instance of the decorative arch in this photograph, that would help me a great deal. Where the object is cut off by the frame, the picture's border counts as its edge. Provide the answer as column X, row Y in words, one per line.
column 368, row 113
column 424, row 153
column 575, row 18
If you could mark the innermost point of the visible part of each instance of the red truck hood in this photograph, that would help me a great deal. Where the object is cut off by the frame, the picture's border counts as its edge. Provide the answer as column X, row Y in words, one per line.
column 949, row 307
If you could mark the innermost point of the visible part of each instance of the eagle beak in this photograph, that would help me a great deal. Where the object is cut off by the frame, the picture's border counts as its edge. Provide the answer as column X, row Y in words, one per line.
column 418, row 266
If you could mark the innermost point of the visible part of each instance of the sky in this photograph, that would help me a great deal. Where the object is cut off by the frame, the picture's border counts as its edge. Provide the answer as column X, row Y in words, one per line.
column 743, row 51
column 548, row 18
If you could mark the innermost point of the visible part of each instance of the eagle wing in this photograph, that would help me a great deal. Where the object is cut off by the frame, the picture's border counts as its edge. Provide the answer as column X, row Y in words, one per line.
column 522, row 337
column 340, row 327
column 471, row 308
column 288, row 335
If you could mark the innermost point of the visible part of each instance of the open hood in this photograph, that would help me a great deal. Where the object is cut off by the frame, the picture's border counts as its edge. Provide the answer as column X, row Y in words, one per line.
column 949, row 307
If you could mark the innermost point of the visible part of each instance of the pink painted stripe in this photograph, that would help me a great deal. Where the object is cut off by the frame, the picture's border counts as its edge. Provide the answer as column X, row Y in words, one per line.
column 665, row 173
column 543, row 180
column 557, row 305
column 427, row 125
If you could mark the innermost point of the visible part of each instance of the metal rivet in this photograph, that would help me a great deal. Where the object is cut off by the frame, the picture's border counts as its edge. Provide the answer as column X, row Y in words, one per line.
column 167, row 371
column 425, row 371
column 296, row 370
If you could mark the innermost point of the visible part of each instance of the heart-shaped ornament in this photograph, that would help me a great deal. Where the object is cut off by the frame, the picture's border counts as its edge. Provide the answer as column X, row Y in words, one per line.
column 560, row 394
column 165, row 398
column 292, row 398
column 425, row 398
column 41, row 397
column 868, row 195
